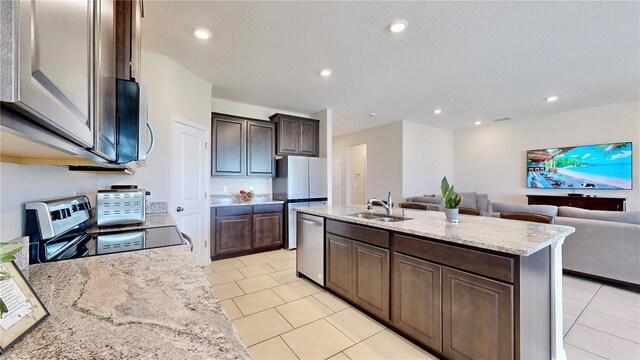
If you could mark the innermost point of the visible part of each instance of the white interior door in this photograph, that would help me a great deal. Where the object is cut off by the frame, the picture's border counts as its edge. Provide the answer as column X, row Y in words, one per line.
column 336, row 180
column 188, row 195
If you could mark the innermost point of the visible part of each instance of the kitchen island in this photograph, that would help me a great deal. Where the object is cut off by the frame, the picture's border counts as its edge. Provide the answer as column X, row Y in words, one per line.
column 485, row 288
column 152, row 303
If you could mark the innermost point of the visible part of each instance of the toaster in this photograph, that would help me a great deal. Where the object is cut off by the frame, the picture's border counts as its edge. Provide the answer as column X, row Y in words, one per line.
column 120, row 207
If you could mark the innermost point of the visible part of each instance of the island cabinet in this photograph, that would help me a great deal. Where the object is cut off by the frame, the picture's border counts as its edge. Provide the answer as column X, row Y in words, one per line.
column 244, row 229
column 457, row 301
column 296, row 135
column 358, row 266
column 417, row 299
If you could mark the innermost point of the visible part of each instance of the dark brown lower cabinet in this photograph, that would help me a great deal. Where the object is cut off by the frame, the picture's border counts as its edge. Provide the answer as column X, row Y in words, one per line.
column 477, row 317
column 267, row 230
column 233, row 234
column 417, row 299
column 339, row 265
column 371, row 279
column 458, row 302
column 241, row 230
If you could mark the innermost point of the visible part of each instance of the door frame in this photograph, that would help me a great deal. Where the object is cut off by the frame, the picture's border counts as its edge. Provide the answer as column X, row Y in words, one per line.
column 338, row 159
column 205, row 255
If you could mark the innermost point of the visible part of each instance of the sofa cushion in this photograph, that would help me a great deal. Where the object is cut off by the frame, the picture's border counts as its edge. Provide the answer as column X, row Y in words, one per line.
column 482, row 202
column 468, row 200
column 602, row 248
column 428, row 200
column 548, row 210
column 629, row 217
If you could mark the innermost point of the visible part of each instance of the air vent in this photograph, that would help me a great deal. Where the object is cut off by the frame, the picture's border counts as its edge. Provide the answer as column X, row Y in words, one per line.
column 502, row 119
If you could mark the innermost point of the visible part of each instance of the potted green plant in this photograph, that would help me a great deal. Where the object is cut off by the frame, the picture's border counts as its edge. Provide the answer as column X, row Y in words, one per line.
column 7, row 254
column 452, row 200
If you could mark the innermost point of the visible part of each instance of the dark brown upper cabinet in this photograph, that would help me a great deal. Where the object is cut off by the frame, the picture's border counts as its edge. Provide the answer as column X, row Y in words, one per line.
column 261, row 142
column 296, row 135
column 242, row 147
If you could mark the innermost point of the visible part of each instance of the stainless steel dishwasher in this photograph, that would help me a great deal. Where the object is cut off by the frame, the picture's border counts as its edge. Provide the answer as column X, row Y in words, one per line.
column 310, row 252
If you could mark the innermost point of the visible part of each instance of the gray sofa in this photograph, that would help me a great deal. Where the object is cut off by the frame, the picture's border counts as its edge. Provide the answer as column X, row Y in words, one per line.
column 606, row 244
column 471, row 200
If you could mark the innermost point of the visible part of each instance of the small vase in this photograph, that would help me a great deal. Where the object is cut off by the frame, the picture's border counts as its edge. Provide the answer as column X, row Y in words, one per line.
column 452, row 215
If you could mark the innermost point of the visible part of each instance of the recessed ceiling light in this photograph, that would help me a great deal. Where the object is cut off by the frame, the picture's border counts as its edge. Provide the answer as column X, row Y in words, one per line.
column 325, row 72
column 202, row 33
column 372, row 115
column 551, row 99
column 478, row 123
column 398, row 26
column 437, row 111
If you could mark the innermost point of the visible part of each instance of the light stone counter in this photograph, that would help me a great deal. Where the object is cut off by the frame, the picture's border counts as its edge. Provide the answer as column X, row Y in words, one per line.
column 150, row 304
column 507, row 236
column 245, row 203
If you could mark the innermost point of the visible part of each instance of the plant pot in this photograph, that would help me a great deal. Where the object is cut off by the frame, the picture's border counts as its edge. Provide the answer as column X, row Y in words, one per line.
column 452, row 215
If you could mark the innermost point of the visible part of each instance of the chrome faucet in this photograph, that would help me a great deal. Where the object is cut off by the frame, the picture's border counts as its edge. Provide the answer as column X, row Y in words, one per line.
column 388, row 206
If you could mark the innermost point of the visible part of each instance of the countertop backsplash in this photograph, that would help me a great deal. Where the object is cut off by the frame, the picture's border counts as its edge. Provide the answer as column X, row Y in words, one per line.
column 156, row 207
column 22, row 258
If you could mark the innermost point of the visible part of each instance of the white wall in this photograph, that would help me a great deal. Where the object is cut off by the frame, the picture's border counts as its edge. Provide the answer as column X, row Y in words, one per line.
column 384, row 159
column 22, row 183
column 173, row 91
column 492, row 159
column 427, row 156
column 406, row 158
column 226, row 185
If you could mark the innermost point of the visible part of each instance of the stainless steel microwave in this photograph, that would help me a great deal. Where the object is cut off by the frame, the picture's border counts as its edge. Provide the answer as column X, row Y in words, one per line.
column 131, row 116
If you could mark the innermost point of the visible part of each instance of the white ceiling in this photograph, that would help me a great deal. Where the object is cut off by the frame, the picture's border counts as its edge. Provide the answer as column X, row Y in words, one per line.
column 475, row 60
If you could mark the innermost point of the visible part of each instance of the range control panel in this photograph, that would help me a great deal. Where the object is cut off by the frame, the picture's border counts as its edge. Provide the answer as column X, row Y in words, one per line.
column 57, row 216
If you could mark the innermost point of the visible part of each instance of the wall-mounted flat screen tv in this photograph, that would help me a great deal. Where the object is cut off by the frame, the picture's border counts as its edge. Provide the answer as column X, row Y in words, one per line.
column 603, row 166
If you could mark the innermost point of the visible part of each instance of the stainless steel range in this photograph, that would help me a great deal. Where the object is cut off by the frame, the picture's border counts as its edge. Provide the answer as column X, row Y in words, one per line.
column 62, row 228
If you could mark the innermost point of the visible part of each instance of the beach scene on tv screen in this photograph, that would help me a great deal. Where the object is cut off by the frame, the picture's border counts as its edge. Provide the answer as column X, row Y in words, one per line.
column 603, row 166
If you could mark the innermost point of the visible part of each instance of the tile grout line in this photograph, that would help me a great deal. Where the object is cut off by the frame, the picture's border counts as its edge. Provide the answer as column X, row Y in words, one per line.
column 616, row 316
column 582, row 311
column 577, row 347
column 604, row 332
column 294, row 353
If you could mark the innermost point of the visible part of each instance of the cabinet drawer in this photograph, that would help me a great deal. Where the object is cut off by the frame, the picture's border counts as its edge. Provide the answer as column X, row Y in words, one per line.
column 495, row 266
column 360, row 233
column 260, row 209
column 233, row 210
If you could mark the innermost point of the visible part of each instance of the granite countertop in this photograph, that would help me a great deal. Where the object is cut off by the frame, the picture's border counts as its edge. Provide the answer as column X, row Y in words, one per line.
column 507, row 236
column 146, row 304
column 151, row 221
column 244, row 203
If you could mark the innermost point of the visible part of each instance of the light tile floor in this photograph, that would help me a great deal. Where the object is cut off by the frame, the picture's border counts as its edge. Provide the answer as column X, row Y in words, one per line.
column 280, row 316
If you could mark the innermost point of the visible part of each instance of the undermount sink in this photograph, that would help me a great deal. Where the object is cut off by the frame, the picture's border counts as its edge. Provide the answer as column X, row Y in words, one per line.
column 378, row 217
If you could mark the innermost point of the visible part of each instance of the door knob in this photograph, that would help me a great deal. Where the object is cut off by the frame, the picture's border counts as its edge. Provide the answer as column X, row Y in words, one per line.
column 179, row 208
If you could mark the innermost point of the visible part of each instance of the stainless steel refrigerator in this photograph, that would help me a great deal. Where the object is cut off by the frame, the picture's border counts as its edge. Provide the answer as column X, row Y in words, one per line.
column 300, row 181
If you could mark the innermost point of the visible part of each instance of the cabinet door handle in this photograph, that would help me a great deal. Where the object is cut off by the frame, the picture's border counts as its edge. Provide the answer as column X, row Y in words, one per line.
column 309, row 222
column 179, row 209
